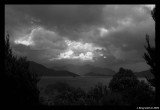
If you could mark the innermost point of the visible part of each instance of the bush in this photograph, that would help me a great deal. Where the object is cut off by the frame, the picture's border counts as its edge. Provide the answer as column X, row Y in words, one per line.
column 123, row 80
column 58, row 87
column 126, row 90
column 72, row 97
column 96, row 94
column 113, row 99
column 63, row 94
column 21, row 84
column 133, row 91
column 141, row 95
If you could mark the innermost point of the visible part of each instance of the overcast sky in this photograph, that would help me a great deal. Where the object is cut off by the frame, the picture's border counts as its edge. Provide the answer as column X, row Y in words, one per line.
column 110, row 36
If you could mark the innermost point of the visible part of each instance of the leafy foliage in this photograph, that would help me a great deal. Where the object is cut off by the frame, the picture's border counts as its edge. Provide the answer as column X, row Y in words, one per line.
column 142, row 95
column 139, row 94
column 150, row 56
column 113, row 99
column 63, row 94
column 21, row 85
column 153, row 13
column 123, row 80
column 150, row 59
column 133, row 91
column 96, row 93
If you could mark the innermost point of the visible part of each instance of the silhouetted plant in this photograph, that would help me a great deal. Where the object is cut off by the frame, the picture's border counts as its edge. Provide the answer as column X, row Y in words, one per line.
column 123, row 80
column 141, row 95
column 113, row 99
column 61, row 93
column 55, row 90
column 153, row 13
column 21, row 85
column 75, row 96
column 125, row 89
column 96, row 94
column 151, row 60
column 132, row 90
column 67, row 95
column 150, row 56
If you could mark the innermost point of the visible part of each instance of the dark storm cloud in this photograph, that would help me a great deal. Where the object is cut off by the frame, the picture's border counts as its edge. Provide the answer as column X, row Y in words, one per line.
column 61, row 18
column 124, row 38
column 132, row 38
column 114, row 13
column 127, row 34
column 127, row 27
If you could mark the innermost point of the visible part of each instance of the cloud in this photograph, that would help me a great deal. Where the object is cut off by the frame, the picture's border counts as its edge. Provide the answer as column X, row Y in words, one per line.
column 124, row 35
column 80, row 50
column 64, row 19
column 39, row 39
column 115, row 13
column 58, row 47
column 53, row 32
column 38, row 44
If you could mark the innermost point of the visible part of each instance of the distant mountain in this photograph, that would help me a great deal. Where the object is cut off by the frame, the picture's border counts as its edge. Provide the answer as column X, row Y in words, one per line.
column 95, row 74
column 145, row 73
column 58, row 68
column 96, row 71
column 87, row 70
column 78, row 69
column 74, row 70
column 44, row 71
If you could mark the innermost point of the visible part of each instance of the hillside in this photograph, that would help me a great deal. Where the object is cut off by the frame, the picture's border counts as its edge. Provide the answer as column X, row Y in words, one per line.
column 95, row 74
column 44, row 71
column 87, row 70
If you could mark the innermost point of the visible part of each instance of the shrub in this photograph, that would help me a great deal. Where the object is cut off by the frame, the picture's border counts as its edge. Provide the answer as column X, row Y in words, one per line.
column 129, row 91
column 113, row 99
column 67, row 95
column 61, row 93
column 21, row 84
column 123, row 80
column 96, row 94
column 134, row 92
column 58, row 87
column 141, row 95
column 71, row 97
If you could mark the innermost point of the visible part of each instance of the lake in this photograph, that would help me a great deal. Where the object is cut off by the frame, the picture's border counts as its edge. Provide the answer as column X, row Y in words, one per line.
column 84, row 82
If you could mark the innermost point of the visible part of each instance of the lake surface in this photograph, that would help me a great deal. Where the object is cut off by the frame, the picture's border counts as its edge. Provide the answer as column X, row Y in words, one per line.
column 84, row 82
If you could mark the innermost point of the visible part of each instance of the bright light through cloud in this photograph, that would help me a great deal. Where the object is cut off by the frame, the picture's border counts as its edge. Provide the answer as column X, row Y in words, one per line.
column 81, row 51
column 26, row 39
column 103, row 31
column 74, row 49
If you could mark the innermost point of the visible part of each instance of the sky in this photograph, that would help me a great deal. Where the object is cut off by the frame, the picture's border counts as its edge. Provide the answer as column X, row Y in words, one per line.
column 109, row 36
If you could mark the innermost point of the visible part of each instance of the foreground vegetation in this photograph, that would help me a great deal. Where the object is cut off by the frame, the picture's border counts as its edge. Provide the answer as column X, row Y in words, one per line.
column 20, row 84
column 124, row 89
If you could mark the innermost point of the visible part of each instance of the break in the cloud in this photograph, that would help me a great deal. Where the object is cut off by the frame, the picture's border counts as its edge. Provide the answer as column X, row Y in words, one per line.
column 103, row 35
column 80, row 50
column 41, row 39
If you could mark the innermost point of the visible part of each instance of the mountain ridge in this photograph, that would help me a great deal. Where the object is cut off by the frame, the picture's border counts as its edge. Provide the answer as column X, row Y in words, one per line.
column 44, row 71
column 86, row 69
